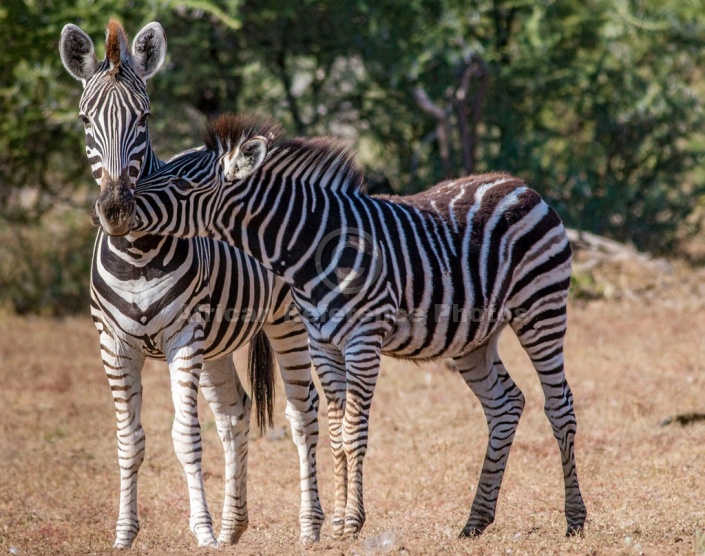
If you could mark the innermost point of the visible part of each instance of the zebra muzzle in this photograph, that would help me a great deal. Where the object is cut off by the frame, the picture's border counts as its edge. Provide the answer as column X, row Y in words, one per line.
column 114, row 209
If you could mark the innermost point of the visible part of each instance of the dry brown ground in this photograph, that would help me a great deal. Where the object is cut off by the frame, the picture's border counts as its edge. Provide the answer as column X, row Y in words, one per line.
column 630, row 364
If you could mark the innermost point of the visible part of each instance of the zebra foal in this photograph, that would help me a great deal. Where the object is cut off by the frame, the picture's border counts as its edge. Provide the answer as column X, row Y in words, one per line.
column 434, row 275
column 190, row 302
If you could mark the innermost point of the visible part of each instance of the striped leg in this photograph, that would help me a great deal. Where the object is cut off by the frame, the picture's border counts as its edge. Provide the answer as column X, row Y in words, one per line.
column 330, row 367
column 231, row 407
column 123, row 367
column 362, row 360
column 541, row 333
column 289, row 342
column 502, row 402
column 185, row 358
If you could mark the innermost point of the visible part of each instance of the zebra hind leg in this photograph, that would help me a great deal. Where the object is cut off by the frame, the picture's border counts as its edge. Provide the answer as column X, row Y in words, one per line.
column 503, row 403
column 231, row 408
column 541, row 333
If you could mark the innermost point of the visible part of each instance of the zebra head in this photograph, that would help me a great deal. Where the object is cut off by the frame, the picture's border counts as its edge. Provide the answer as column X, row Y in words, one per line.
column 181, row 198
column 114, row 106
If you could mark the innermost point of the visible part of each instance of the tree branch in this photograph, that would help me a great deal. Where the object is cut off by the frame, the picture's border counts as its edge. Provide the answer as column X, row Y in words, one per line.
column 442, row 126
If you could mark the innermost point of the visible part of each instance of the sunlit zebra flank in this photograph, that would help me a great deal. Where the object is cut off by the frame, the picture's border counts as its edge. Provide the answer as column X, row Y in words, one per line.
column 191, row 302
column 433, row 275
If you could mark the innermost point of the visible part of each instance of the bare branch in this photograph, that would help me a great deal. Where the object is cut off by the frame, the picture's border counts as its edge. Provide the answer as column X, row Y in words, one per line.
column 442, row 126
column 426, row 104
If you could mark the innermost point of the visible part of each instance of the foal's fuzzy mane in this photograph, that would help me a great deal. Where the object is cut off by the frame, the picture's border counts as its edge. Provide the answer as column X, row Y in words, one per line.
column 337, row 159
column 230, row 130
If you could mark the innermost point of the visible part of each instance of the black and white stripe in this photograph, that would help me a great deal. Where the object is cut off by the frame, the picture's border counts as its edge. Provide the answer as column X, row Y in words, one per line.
column 434, row 275
column 190, row 302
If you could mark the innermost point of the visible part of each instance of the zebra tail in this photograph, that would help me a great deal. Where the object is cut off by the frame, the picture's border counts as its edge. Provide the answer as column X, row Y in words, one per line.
column 261, row 370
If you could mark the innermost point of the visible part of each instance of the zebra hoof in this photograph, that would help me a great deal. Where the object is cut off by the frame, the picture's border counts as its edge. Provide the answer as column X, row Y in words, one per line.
column 122, row 545
column 126, row 535
column 309, row 538
column 311, row 524
column 353, row 526
column 231, row 536
column 338, row 526
column 471, row 532
column 207, row 541
column 575, row 531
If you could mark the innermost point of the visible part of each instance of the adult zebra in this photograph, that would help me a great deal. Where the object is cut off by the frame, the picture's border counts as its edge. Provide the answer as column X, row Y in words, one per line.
column 434, row 275
column 191, row 302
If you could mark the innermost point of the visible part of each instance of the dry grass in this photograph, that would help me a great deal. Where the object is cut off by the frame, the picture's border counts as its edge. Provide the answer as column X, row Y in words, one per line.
column 630, row 366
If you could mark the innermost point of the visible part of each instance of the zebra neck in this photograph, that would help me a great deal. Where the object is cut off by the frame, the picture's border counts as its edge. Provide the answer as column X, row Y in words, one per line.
column 305, row 226
column 141, row 250
column 151, row 160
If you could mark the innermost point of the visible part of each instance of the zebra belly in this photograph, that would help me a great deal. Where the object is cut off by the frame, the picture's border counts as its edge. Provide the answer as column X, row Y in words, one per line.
column 445, row 333
column 241, row 298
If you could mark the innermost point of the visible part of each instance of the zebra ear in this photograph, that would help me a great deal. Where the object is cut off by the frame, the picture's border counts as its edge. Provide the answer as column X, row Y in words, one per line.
column 77, row 53
column 149, row 49
column 245, row 159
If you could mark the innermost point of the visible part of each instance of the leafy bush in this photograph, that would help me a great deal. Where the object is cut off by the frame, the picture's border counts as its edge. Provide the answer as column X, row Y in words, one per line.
column 45, row 268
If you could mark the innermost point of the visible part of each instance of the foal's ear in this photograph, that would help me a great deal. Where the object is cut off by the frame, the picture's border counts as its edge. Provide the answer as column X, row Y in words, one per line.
column 77, row 53
column 245, row 159
column 149, row 49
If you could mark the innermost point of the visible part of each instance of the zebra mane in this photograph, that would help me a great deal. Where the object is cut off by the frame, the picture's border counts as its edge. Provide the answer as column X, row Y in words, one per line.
column 230, row 130
column 336, row 158
column 116, row 45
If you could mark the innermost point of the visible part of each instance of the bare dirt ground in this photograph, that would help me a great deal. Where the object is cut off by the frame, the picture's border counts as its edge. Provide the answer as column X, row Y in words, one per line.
column 631, row 364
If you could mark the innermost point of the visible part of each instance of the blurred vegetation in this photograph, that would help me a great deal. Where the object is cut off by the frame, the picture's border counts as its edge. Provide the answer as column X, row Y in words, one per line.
column 598, row 104
column 45, row 268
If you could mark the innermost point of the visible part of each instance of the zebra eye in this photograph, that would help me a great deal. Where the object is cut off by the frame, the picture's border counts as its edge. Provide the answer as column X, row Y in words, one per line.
column 85, row 120
column 182, row 184
column 142, row 122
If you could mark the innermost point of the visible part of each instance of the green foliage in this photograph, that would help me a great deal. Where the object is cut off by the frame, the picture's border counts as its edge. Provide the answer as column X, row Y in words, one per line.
column 597, row 104
column 616, row 136
column 45, row 268
column 41, row 141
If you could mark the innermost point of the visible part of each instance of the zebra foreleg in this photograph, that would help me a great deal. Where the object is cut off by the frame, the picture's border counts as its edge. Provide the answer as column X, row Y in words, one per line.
column 362, row 360
column 185, row 358
column 290, row 345
column 330, row 367
column 503, row 403
column 231, row 407
column 123, row 366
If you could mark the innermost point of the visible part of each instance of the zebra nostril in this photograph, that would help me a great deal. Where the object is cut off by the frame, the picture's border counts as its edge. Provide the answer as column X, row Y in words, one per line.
column 95, row 219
